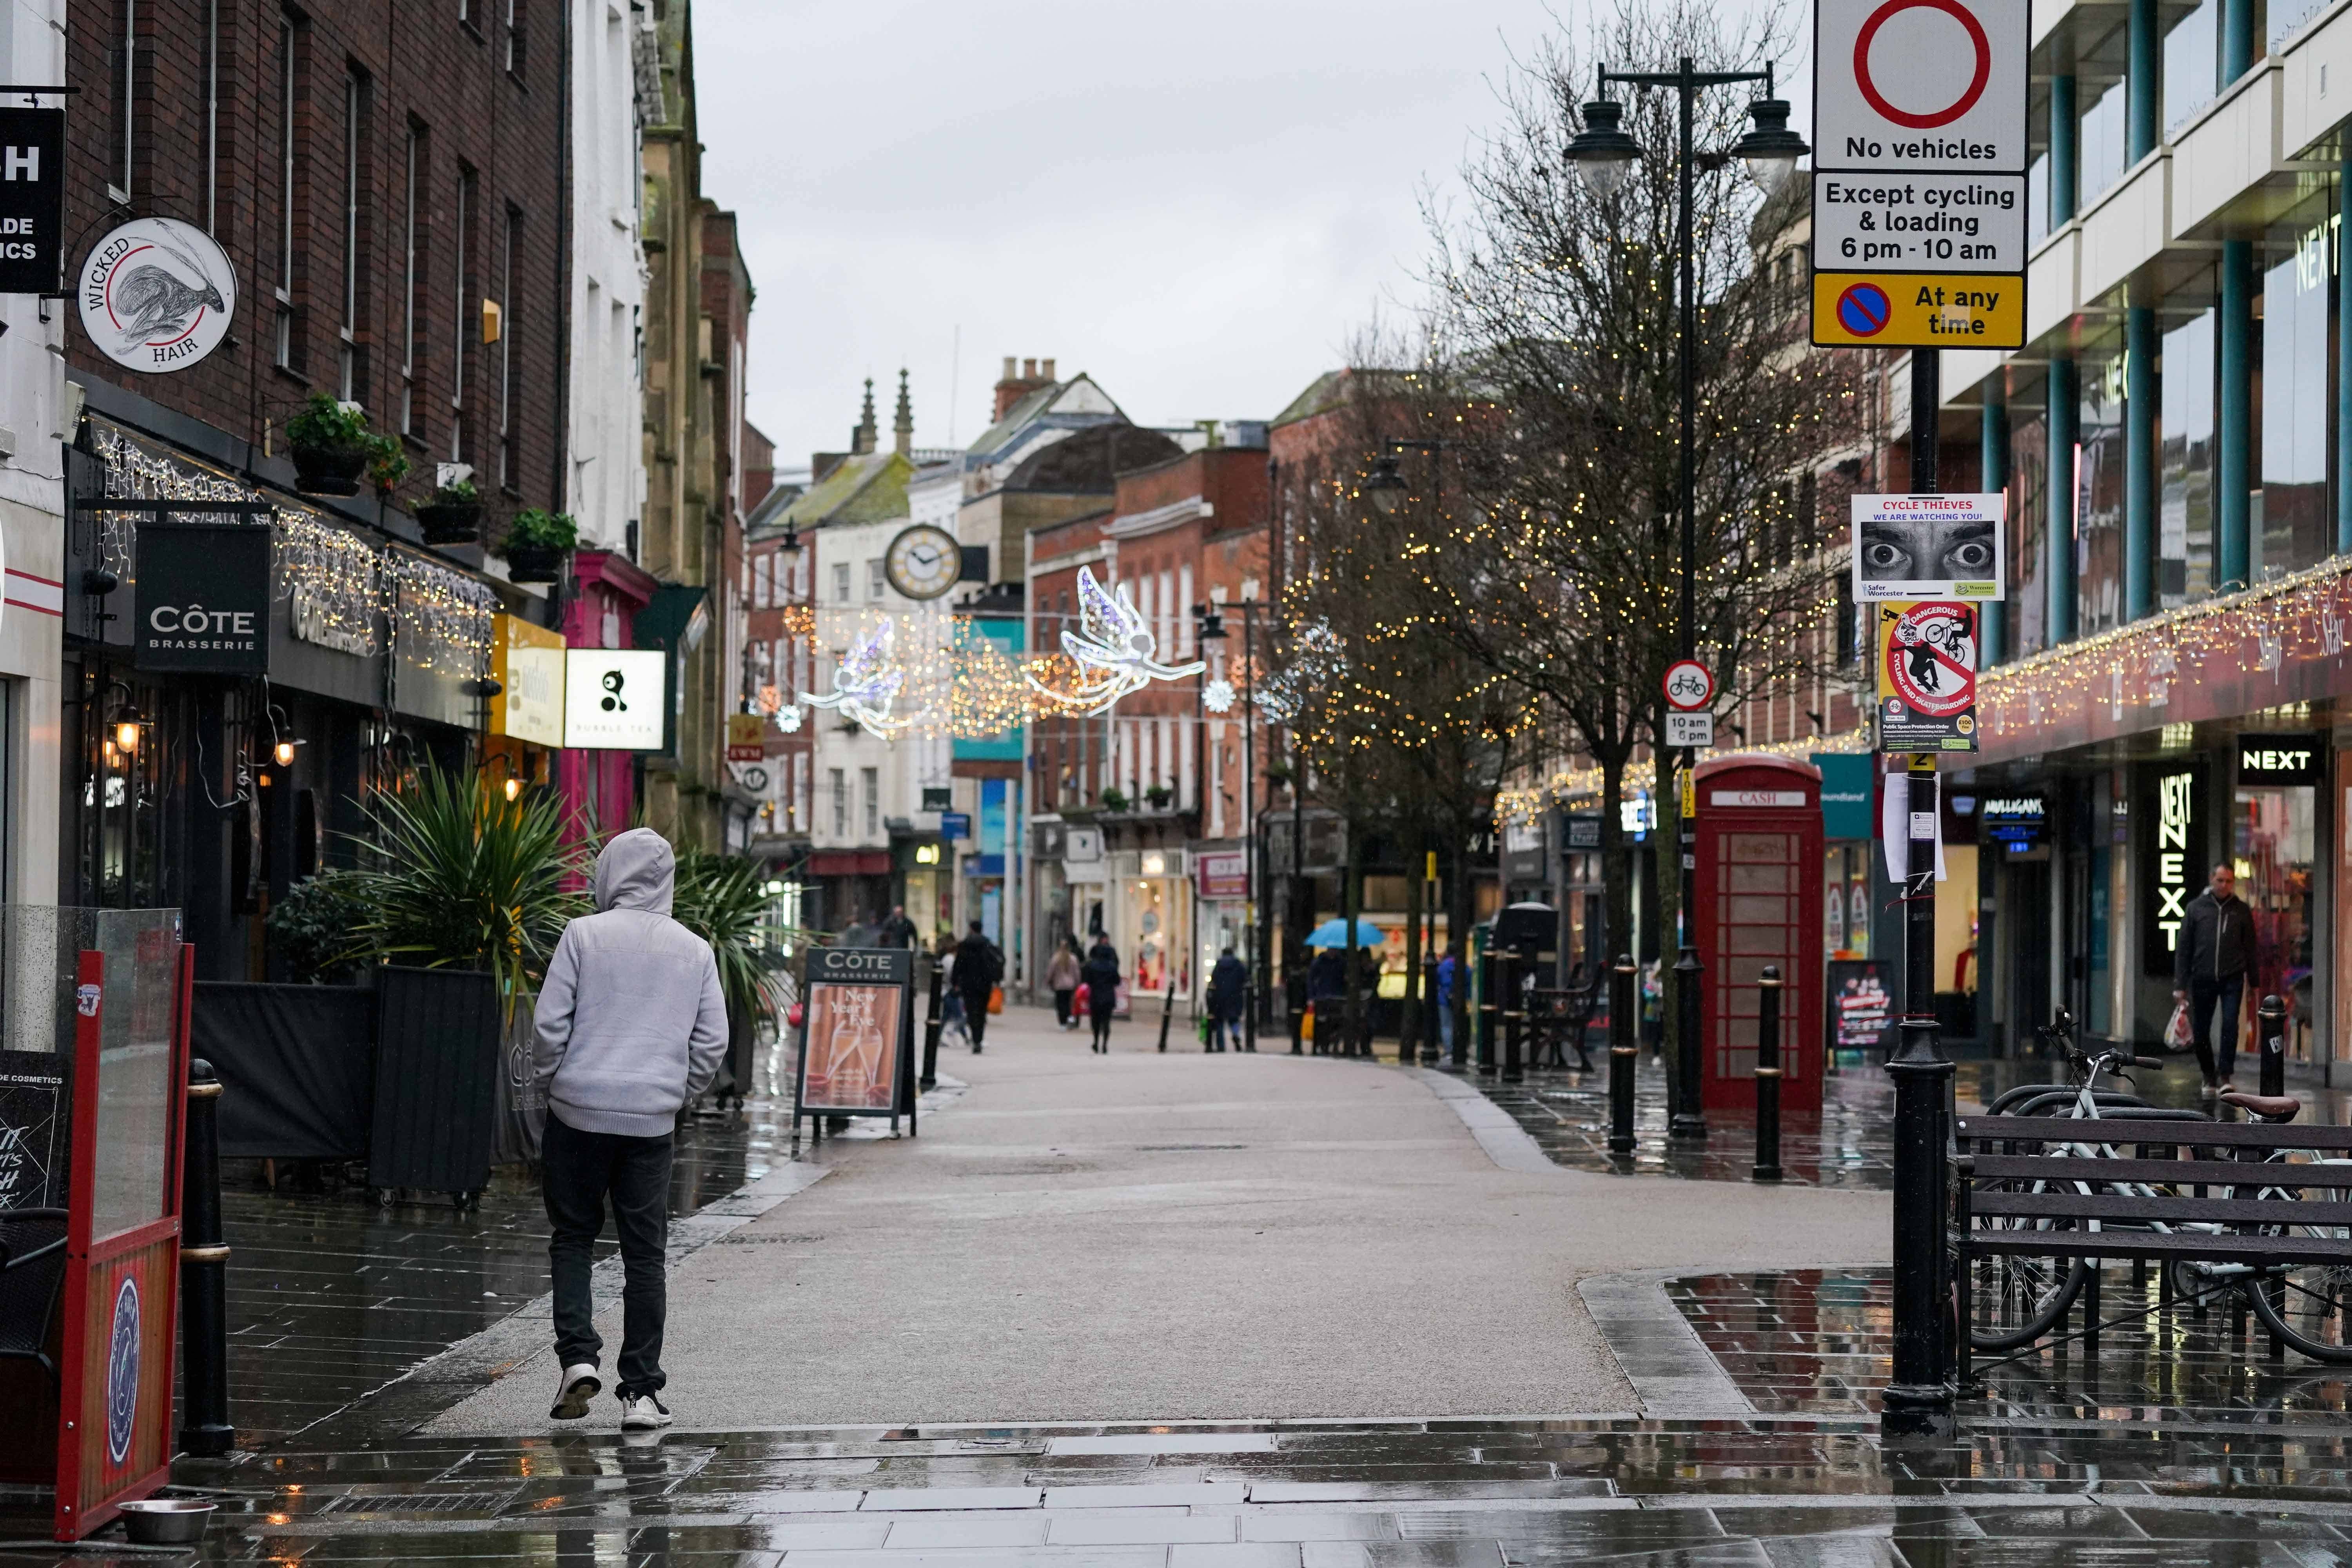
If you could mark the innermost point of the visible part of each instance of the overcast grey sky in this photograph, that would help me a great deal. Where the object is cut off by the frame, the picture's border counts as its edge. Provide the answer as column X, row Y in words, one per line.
column 1198, row 204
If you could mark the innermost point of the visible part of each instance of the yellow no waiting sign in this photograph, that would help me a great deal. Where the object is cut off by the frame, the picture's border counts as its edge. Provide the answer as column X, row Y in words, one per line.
column 1919, row 310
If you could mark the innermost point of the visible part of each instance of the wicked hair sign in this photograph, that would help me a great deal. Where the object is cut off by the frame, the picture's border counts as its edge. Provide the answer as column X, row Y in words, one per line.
column 156, row 295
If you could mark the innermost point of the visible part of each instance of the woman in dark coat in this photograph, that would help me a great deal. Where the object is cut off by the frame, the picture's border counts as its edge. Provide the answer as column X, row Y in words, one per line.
column 1101, row 975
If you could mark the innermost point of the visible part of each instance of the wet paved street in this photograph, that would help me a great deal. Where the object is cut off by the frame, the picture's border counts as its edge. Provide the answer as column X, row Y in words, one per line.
column 330, row 1298
column 1635, row 1494
column 1159, row 1234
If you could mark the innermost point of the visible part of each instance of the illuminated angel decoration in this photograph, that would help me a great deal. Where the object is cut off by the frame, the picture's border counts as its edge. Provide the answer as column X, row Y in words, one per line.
column 1114, row 650
column 864, row 686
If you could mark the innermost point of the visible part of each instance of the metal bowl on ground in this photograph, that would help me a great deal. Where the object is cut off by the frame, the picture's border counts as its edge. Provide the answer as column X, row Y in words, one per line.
column 166, row 1522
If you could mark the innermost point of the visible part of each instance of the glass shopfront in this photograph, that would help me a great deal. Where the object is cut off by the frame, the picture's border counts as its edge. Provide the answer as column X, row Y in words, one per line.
column 2272, row 848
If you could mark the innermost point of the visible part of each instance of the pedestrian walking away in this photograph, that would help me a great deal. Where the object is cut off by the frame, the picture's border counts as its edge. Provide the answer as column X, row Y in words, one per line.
column 1062, row 980
column 979, row 968
column 630, row 1028
column 1448, row 971
column 1228, row 985
column 1101, row 975
column 2216, row 947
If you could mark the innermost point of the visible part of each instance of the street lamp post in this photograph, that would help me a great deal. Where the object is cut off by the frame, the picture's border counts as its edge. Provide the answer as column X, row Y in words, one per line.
column 1604, row 154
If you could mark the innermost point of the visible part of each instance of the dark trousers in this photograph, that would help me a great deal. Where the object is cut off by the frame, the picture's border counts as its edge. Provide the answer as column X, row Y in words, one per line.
column 1062, row 1000
column 581, row 1171
column 1100, row 1017
column 975, row 1016
column 1222, row 1025
column 2206, row 997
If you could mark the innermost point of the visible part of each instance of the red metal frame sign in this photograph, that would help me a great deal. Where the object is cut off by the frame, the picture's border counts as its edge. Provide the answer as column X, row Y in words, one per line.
column 114, row 1420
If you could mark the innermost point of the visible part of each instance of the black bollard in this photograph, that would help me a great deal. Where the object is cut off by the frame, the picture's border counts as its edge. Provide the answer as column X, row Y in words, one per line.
column 1768, row 1077
column 1167, row 1005
column 1489, row 1011
column 205, row 1429
column 1624, row 1056
column 932, row 1024
column 1515, row 1016
column 2269, row 1031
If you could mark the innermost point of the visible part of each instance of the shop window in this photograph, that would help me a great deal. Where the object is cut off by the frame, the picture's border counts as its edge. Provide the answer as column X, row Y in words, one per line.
column 2184, row 528
column 2271, row 844
column 2029, row 528
column 2099, row 498
column 2292, row 528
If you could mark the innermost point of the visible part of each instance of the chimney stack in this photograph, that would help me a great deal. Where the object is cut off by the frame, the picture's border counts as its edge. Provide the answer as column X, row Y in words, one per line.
column 1014, row 387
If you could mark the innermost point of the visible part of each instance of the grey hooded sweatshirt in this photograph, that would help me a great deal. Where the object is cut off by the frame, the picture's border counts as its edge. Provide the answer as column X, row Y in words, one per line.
column 631, row 1021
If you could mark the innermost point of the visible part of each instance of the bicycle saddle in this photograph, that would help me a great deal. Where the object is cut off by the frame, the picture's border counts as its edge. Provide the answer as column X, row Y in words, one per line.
column 2269, row 1107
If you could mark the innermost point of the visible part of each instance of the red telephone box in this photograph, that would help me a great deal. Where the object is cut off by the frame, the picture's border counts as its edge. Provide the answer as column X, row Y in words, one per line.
column 1760, row 901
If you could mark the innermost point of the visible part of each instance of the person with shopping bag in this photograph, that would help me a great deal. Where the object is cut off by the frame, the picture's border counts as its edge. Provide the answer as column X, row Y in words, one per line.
column 1102, row 980
column 2215, row 950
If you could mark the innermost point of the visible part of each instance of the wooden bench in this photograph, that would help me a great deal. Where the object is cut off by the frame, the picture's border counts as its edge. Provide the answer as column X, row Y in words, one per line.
column 1995, row 1157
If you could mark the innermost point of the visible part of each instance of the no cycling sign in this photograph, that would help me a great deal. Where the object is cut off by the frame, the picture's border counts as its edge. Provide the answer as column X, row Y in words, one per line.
column 1919, row 155
column 1928, row 676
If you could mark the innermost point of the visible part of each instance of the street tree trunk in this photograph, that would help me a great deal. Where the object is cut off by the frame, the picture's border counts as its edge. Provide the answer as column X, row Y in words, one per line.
column 1409, row 1027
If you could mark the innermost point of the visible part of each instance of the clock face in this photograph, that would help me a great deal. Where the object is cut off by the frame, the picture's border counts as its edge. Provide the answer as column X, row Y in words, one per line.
column 923, row 562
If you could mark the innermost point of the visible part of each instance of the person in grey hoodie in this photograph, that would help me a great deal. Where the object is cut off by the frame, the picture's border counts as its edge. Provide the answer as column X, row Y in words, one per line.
column 631, row 1027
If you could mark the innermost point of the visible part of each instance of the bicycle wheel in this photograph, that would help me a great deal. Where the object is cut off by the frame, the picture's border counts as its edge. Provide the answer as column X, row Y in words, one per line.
column 2307, row 1305
column 2019, row 1298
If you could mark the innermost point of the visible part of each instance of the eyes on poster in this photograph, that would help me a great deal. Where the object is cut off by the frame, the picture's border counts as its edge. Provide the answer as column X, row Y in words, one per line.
column 1930, row 547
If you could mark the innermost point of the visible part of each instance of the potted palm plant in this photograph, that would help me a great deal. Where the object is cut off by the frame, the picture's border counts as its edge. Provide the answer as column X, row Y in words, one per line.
column 537, row 542
column 451, row 514
column 331, row 447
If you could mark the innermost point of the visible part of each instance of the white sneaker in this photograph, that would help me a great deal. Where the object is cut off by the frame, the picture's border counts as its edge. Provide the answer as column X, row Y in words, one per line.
column 642, row 1413
column 578, row 1385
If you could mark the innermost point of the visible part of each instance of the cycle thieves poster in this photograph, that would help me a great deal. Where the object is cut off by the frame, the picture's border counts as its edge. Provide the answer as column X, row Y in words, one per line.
column 857, row 1034
column 1928, row 676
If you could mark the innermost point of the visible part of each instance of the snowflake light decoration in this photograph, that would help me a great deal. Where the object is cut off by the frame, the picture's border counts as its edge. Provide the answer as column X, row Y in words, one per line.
column 789, row 720
column 1115, row 650
column 864, row 684
column 1217, row 697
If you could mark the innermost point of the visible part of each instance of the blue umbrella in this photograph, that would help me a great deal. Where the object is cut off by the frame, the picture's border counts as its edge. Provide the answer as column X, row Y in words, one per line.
column 1334, row 933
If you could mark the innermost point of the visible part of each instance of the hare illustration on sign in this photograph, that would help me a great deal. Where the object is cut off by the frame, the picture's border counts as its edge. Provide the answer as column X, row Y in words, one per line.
column 157, row 295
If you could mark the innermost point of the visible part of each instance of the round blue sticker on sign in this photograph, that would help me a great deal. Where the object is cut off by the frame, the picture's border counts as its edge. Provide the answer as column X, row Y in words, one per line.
column 123, row 1372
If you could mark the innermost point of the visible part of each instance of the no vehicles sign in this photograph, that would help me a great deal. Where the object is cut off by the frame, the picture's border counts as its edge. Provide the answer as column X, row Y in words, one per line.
column 1928, row 676
column 1919, row 153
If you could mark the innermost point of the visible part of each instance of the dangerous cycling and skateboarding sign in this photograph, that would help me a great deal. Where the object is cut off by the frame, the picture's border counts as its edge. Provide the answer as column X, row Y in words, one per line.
column 1919, row 157
column 1928, row 676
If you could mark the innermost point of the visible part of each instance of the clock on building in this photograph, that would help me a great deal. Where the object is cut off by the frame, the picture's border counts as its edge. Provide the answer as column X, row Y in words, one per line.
column 923, row 562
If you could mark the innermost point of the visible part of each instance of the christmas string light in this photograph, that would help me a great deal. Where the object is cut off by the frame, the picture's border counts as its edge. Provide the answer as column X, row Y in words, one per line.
column 446, row 617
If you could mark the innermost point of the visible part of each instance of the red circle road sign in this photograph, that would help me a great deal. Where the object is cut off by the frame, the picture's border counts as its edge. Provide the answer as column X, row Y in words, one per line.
column 1959, row 106
column 1690, row 686
column 1931, row 659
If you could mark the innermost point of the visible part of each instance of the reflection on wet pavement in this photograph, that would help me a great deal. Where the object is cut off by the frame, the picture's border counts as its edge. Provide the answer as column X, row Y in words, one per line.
column 330, row 1298
column 1815, row 1342
column 1638, row 1494
column 1849, row 1144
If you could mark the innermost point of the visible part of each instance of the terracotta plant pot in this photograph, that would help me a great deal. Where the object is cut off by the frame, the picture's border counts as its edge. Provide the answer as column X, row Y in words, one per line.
column 329, row 470
column 450, row 522
column 534, row 564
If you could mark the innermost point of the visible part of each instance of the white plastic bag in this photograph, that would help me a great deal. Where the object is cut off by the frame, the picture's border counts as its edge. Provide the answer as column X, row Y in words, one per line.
column 2176, row 1033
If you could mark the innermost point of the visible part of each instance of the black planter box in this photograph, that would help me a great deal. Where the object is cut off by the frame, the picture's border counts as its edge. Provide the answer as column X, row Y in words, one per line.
column 329, row 470
column 450, row 523
column 534, row 564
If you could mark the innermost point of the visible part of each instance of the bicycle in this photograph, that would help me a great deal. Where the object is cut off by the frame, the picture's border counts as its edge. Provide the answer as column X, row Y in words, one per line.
column 2028, row 1296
